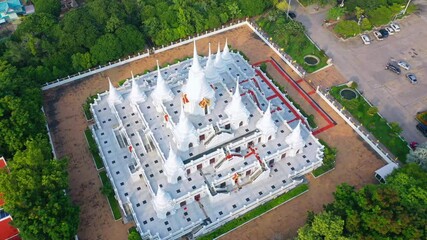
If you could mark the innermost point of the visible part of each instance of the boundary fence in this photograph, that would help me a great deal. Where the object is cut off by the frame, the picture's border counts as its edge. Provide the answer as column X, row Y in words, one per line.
column 371, row 140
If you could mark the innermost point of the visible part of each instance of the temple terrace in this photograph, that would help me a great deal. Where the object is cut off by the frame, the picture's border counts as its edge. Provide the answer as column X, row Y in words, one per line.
column 198, row 143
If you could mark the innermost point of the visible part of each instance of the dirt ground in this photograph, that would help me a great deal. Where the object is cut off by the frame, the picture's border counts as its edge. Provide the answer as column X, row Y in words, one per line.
column 63, row 106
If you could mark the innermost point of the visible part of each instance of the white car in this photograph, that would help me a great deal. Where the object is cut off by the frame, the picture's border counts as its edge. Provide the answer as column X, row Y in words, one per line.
column 378, row 36
column 365, row 39
column 412, row 78
column 395, row 27
column 389, row 30
column 404, row 65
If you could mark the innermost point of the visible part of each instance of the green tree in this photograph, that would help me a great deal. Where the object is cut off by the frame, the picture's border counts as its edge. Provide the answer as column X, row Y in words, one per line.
column 34, row 194
column 394, row 210
column 251, row 7
column 79, row 31
column 359, row 12
column 131, row 39
column 81, row 61
column 380, row 16
column 365, row 24
column 282, row 6
column 113, row 24
column 233, row 9
column 335, row 13
column 372, row 111
column 324, row 226
column 99, row 52
column 52, row 7
column 347, row 28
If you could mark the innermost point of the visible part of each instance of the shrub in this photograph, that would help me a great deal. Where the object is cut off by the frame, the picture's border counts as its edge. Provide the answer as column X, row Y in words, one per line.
column 365, row 24
column 283, row 6
column 395, row 127
column 380, row 16
column 335, row 13
column 372, row 111
column 86, row 106
column 347, row 28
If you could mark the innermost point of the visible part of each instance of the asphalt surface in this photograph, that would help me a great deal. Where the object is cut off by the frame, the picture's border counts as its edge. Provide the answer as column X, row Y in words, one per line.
column 397, row 99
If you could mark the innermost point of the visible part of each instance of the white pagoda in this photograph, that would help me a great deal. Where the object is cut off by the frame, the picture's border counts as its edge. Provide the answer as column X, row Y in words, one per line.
column 198, row 143
column 198, row 95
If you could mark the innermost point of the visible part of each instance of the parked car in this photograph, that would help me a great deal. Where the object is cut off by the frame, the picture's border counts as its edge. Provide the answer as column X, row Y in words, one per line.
column 383, row 32
column 389, row 30
column 292, row 15
column 393, row 68
column 395, row 27
column 378, row 36
column 404, row 65
column 412, row 78
column 365, row 39
column 422, row 128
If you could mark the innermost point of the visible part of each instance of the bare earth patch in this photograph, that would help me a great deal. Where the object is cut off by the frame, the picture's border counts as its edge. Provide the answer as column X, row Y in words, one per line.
column 63, row 106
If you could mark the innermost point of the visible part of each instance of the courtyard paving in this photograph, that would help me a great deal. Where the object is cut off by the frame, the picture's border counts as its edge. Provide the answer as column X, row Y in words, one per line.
column 63, row 105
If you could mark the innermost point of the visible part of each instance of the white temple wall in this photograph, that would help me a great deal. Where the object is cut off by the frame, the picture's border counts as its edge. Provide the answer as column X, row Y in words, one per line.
column 204, row 161
column 188, row 198
column 243, row 143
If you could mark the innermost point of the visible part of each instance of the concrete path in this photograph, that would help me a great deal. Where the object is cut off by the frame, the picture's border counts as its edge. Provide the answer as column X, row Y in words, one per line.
column 397, row 99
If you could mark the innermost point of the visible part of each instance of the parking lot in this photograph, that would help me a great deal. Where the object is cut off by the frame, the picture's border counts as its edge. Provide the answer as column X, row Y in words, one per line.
column 397, row 99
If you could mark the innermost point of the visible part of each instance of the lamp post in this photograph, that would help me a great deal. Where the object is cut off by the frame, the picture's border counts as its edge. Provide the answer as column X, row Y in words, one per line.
column 289, row 6
column 406, row 8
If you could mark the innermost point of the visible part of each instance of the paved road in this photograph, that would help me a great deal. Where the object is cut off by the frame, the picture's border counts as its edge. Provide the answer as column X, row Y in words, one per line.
column 396, row 98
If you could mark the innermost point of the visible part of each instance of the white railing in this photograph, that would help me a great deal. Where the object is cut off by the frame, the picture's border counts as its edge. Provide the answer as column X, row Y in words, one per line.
column 71, row 78
column 356, row 127
column 50, row 137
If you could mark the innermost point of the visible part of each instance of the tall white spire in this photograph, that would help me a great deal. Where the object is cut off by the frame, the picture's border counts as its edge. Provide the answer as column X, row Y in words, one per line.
column 136, row 95
column 174, row 167
column 211, row 73
column 163, row 203
column 266, row 125
column 218, row 60
column 195, row 67
column 295, row 140
column 197, row 89
column 236, row 110
column 161, row 92
column 185, row 133
column 226, row 56
column 114, row 97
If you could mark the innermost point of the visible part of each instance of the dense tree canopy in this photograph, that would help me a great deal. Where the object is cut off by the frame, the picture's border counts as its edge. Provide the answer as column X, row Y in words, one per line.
column 44, row 46
column 395, row 210
column 52, row 7
column 34, row 194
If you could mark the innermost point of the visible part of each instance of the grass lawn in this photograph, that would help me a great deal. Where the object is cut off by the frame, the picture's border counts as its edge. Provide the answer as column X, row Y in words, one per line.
column 328, row 159
column 115, row 208
column 255, row 212
column 375, row 124
column 86, row 106
column 290, row 36
column 134, row 234
column 93, row 148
